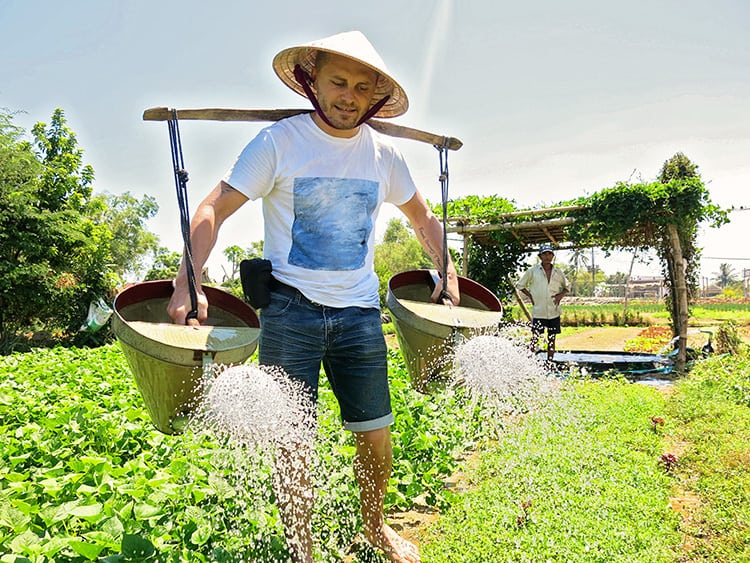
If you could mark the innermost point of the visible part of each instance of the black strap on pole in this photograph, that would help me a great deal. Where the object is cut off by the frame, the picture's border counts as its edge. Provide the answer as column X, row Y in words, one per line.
column 180, row 180
column 443, row 151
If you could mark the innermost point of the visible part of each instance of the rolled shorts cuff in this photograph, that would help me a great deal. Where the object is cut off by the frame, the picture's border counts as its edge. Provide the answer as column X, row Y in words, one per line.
column 367, row 425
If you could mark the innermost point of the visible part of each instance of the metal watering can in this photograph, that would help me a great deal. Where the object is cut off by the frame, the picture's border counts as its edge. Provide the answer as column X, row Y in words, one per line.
column 427, row 332
column 167, row 360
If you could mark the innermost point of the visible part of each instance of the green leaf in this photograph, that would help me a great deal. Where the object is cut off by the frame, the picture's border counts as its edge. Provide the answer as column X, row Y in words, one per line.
column 201, row 535
column 113, row 526
column 13, row 518
column 27, row 543
column 87, row 511
column 102, row 538
column 88, row 550
column 53, row 546
column 14, row 477
column 134, row 546
column 144, row 511
column 53, row 513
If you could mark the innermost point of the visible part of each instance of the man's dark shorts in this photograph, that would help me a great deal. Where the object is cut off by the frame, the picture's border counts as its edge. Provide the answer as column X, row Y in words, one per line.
column 298, row 335
column 552, row 326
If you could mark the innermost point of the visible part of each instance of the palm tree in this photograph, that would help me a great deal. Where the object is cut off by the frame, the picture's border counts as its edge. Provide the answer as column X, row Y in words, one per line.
column 725, row 276
column 577, row 257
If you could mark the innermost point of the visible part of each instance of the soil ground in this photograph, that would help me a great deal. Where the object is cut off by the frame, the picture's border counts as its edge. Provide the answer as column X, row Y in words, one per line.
column 597, row 338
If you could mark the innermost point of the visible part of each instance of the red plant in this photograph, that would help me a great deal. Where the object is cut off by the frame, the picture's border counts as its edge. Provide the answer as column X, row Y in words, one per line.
column 523, row 518
column 656, row 421
column 669, row 462
column 651, row 339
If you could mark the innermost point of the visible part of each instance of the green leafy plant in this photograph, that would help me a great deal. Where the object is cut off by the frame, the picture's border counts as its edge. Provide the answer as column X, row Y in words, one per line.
column 728, row 340
column 85, row 476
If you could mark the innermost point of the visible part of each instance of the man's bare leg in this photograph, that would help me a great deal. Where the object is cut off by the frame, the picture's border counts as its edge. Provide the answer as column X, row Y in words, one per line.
column 550, row 346
column 372, row 467
column 294, row 492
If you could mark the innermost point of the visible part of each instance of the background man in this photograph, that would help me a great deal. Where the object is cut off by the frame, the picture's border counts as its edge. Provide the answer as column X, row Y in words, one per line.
column 545, row 285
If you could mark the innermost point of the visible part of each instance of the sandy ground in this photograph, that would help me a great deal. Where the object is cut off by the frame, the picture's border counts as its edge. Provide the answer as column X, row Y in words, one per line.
column 597, row 338
column 614, row 338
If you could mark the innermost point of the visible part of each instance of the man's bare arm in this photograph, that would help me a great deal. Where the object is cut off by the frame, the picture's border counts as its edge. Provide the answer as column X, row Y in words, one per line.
column 204, row 229
column 429, row 232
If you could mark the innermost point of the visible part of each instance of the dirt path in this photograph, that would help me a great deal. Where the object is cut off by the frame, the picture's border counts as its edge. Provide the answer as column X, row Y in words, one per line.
column 598, row 338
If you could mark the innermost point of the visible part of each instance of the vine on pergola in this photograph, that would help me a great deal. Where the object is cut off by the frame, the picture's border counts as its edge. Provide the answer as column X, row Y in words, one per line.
column 640, row 216
column 493, row 265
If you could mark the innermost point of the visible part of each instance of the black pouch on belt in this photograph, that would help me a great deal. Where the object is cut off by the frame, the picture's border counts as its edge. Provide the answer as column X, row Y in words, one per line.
column 255, row 275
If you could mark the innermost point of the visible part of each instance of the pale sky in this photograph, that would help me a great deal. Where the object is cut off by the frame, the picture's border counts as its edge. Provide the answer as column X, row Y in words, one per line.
column 552, row 100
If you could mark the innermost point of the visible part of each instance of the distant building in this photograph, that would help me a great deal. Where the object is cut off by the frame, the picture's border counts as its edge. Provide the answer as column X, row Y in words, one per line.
column 637, row 288
column 647, row 288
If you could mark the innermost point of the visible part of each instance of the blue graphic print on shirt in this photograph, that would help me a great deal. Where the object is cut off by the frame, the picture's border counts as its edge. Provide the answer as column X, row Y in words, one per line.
column 332, row 222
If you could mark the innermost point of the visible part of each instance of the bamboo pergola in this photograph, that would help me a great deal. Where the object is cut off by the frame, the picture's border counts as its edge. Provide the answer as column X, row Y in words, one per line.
column 541, row 225
column 536, row 226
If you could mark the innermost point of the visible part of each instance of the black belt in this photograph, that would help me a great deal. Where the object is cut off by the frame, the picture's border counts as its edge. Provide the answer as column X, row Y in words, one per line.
column 281, row 287
column 288, row 290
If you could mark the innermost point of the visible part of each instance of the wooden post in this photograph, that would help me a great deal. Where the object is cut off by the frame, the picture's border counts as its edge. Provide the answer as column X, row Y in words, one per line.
column 522, row 304
column 680, row 296
column 465, row 256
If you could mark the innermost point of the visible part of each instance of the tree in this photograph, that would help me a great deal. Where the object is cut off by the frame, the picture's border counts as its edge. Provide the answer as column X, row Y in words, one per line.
column 126, row 217
column 165, row 266
column 494, row 261
column 236, row 254
column 400, row 251
column 578, row 257
column 616, row 284
column 53, row 258
column 19, row 173
column 679, row 167
column 66, row 182
column 725, row 276
column 682, row 231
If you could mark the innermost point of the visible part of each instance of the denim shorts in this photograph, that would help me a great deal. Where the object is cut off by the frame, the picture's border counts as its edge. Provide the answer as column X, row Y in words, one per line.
column 298, row 335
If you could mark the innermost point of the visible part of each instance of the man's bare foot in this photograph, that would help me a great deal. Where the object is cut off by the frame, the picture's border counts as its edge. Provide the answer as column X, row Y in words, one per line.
column 395, row 548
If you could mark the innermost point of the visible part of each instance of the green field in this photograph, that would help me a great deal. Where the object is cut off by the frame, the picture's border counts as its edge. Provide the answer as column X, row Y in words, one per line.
column 640, row 313
column 85, row 477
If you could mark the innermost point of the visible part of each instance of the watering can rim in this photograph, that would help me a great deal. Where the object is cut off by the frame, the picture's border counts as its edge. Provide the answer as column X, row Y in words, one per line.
column 155, row 289
column 161, row 289
column 466, row 286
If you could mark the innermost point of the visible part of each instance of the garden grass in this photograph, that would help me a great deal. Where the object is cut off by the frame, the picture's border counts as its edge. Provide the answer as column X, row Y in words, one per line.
column 578, row 480
column 710, row 412
column 84, row 476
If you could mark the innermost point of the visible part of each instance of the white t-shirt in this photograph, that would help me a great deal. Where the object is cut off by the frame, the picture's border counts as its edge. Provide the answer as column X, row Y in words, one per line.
column 321, row 197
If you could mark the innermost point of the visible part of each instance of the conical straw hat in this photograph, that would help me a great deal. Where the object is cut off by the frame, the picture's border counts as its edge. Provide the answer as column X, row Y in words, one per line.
column 351, row 44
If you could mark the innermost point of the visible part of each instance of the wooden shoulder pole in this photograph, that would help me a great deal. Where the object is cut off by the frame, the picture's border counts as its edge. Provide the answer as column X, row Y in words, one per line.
column 228, row 114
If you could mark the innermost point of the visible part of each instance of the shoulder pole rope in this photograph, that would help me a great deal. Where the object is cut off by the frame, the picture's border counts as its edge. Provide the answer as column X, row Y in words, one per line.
column 180, row 180
column 443, row 151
